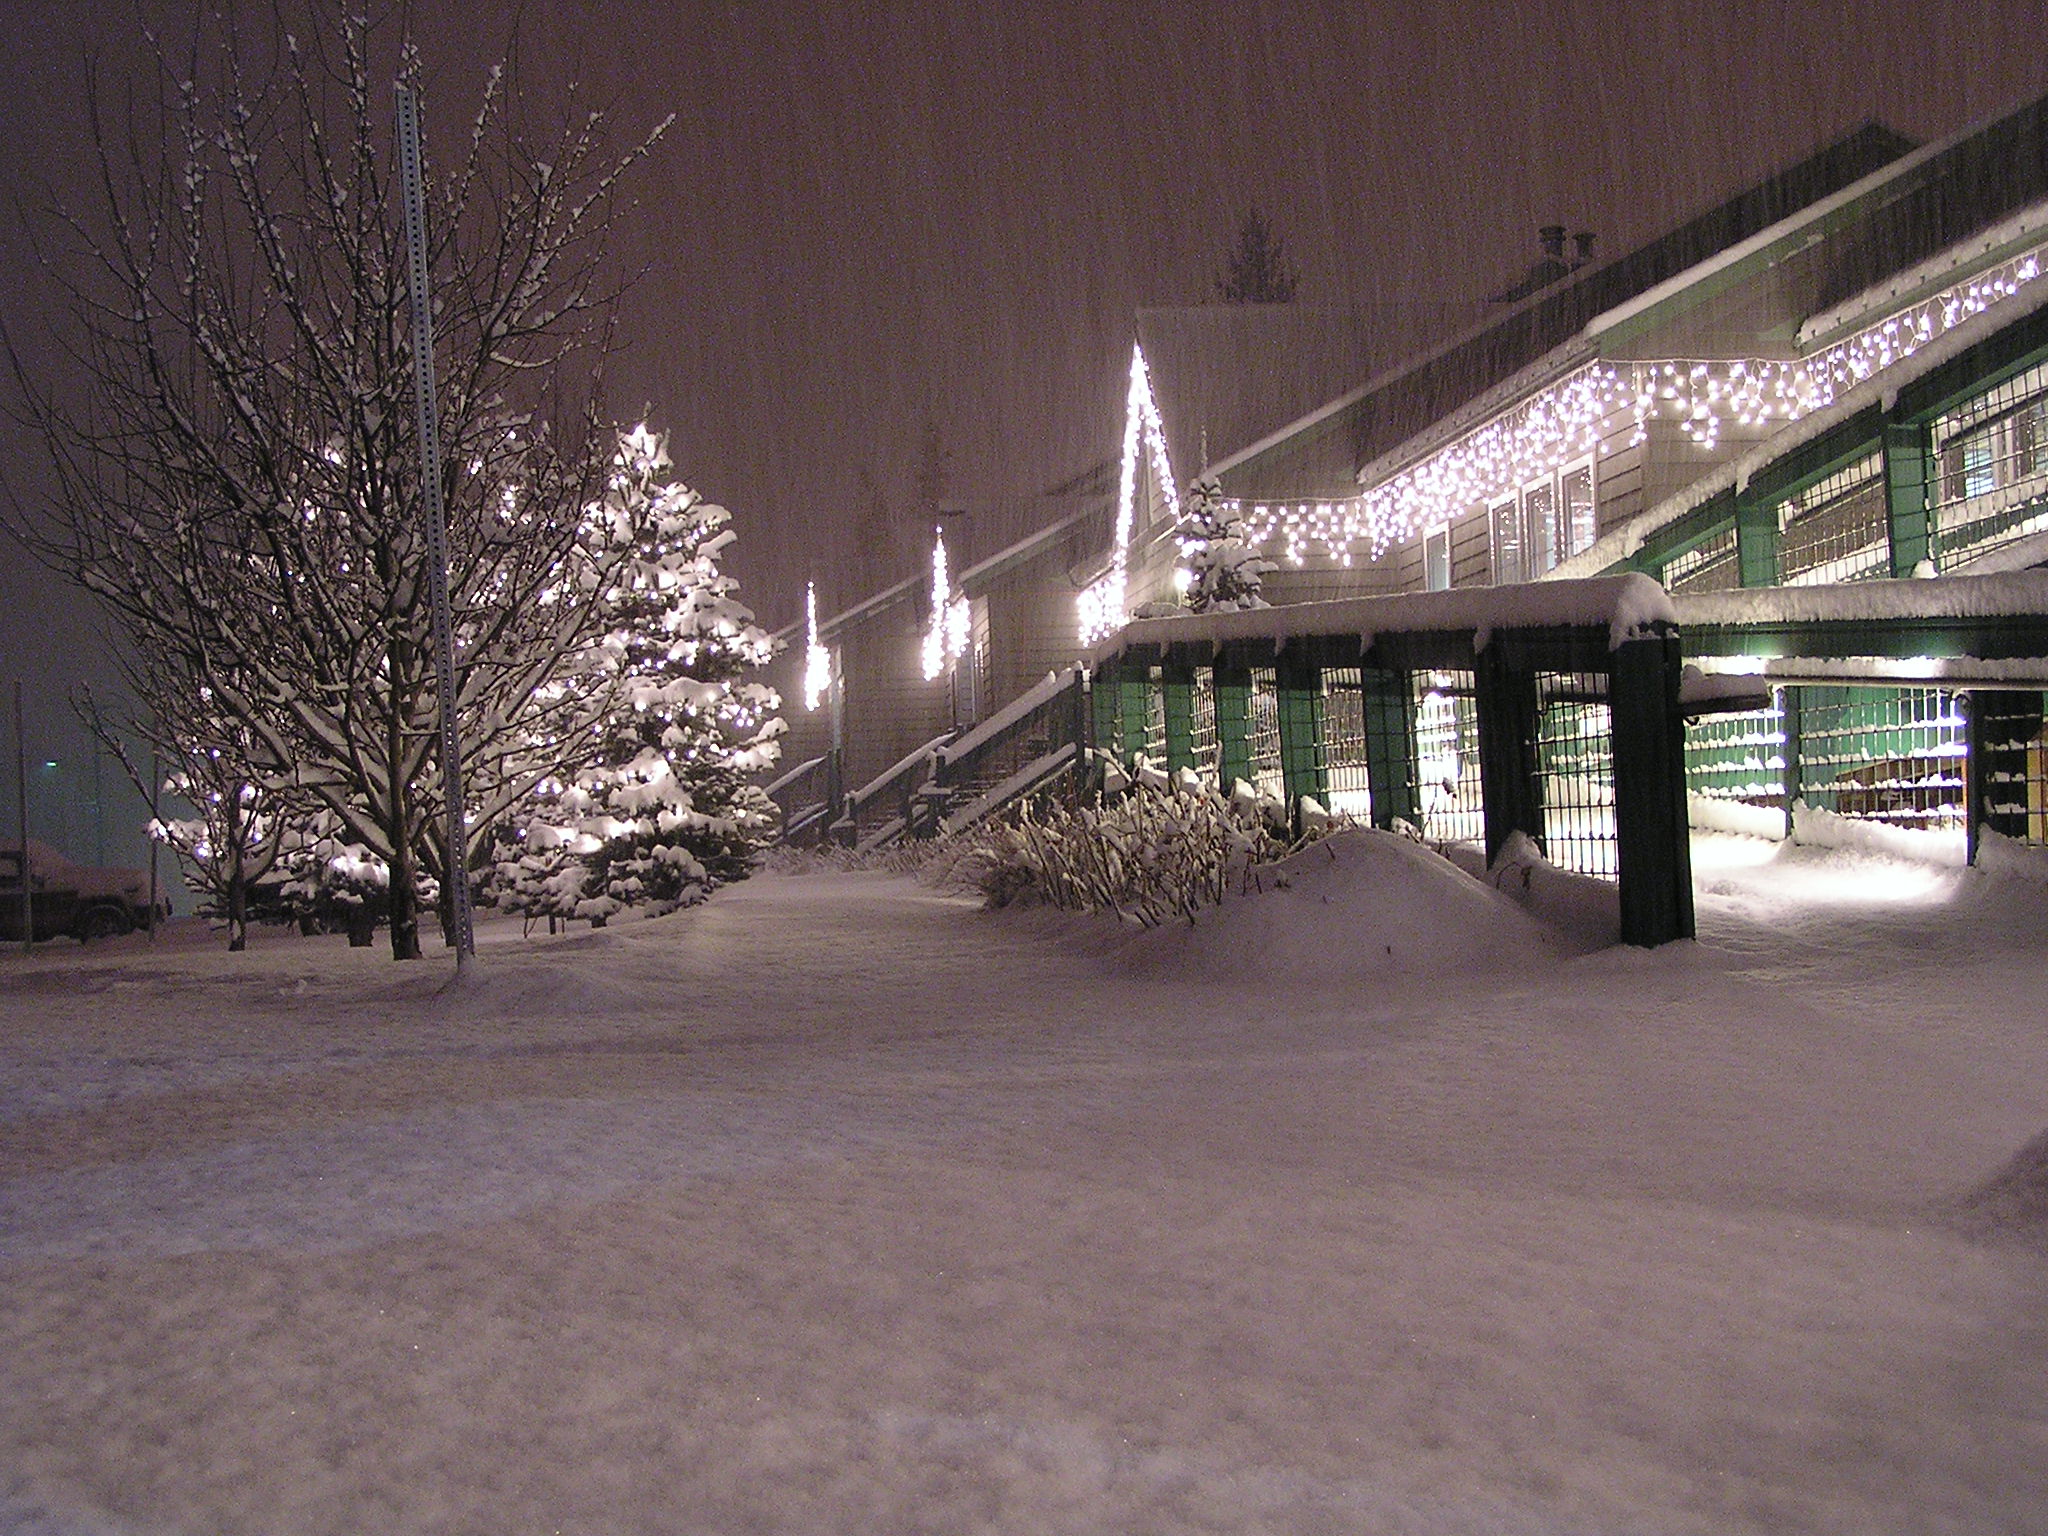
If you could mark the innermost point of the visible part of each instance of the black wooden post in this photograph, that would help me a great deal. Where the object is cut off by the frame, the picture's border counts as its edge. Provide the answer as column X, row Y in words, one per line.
column 1908, row 473
column 1177, row 690
column 1791, row 716
column 1653, row 841
column 1389, row 709
column 1299, row 692
column 1505, row 700
column 1233, row 685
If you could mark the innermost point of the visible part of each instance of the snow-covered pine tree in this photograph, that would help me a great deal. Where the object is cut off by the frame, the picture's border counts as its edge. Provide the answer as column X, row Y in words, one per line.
column 1226, row 572
column 666, row 810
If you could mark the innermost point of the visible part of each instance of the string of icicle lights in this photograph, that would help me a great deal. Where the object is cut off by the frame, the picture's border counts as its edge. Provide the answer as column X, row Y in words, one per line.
column 1571, row 420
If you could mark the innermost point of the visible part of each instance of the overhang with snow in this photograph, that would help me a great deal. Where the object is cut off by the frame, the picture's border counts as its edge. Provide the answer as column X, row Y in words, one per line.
column 1600, row 655
column 1957, row 632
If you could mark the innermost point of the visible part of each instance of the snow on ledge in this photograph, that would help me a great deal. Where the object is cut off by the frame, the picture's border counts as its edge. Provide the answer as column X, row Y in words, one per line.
column 1630, row 606
column 2006, row 594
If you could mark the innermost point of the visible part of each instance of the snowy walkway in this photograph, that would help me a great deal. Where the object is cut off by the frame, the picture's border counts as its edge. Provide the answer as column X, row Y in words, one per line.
column 837, row 1206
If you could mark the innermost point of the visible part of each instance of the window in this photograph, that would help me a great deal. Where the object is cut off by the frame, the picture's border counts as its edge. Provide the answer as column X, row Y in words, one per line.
column 1581, row 526
column 1539, row 526
column 1507, row 543
column 1436, row 561
column 1549, row 522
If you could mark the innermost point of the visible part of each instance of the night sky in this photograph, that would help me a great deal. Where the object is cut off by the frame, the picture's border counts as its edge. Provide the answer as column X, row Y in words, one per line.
column 886, row 236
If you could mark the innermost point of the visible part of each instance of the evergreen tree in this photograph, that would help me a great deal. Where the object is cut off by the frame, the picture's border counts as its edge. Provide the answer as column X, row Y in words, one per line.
column 1227, row 572
column 1257, row 271
column 666, row 810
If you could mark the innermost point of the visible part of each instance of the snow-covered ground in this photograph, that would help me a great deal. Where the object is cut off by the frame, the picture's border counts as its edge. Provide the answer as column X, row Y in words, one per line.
column 837, row 1205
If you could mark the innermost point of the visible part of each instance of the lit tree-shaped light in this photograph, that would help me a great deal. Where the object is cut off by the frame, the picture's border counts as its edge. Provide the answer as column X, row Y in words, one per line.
column 817, row 660
column 1103, row 603
column 946, row 641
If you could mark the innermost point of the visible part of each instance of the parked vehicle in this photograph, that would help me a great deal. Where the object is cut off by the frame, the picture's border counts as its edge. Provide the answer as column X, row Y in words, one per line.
column 81, row 901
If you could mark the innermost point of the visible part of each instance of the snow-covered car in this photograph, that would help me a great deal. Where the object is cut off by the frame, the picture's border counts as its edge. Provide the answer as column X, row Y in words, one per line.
column 81, row 901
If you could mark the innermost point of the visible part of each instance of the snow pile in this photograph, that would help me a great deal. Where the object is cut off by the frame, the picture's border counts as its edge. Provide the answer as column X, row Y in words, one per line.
column 1824, row 829
column 1628, row 607
column 1998, row 854
column 1582, row 912
column 1735, row 817
column 1353, row 905
column 2012, row 1205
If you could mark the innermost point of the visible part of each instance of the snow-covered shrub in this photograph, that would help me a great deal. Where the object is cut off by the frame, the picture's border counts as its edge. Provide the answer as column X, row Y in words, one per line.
column 1150, row 854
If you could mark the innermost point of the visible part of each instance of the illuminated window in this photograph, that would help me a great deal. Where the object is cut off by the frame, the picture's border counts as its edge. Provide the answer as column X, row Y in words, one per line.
column 1507, row 543
column 1436, row 561
column 1550, row 521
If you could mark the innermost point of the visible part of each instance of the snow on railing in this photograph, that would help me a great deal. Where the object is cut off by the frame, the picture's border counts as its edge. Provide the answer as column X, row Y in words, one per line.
column 1032, row 774
column 1051, row 687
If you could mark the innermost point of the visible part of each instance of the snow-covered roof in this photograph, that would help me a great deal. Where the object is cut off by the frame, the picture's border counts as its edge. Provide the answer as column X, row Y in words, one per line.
column 1795, row 231
column 1618, row 544
column 911, row 587
column 1232, row 375
column 1627, row 606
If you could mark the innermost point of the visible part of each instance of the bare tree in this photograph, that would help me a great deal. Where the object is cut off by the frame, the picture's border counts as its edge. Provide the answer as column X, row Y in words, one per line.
column 239, row 486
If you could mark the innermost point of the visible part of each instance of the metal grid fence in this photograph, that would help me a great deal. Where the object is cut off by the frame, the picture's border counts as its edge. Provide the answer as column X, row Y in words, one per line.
column 1894, row 755
column 1738, row 759
column 1203, row 724
column 1712, row 565
column 1155, row 719
column 2013, row 754
column 1575, row 757
column 1346, row 775
column 1265, row 733
column 1991, row 455
column 1837, row 529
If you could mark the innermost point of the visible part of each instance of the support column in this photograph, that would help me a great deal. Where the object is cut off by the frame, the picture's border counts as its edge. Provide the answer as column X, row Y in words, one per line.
column 1177, row 690
column 1233, row 686
column 1302, row 770
column 1789, row 705
column 1389, row 708
column 1756, row 541
column 1908, row 475
column 1653, row 842
column 1105, row 695
column 1131, row 701
column 1505, row 697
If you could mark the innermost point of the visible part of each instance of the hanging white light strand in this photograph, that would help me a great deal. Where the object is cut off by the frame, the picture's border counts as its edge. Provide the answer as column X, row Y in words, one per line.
column 817, row 660
column 1572, row 419
column 946, row 641
column 1103, row 603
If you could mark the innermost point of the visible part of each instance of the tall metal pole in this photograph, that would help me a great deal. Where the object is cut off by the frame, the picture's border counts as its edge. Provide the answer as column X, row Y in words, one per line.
column 28, row 909
column 457, row 862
